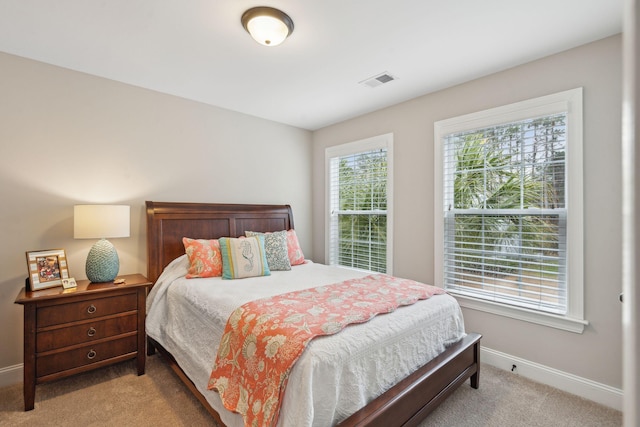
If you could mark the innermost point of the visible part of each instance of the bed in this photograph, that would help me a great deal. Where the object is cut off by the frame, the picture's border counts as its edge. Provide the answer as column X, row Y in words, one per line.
column 412, row 394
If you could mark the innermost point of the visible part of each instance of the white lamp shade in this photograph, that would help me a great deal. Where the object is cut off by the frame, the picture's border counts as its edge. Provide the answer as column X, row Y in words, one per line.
column 101, row 221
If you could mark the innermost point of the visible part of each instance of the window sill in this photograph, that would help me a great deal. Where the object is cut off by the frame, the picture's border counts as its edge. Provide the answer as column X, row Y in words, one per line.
column 546, row 319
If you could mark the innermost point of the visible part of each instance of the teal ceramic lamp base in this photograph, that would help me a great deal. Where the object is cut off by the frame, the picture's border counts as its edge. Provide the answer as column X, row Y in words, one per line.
column 102, row 262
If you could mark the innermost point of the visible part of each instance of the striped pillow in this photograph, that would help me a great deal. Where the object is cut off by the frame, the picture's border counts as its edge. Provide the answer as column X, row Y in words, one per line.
column 243, row 257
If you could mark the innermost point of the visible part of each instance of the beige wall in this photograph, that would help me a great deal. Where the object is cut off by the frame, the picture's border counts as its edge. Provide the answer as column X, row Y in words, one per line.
column 68, row 138
column 595, row 354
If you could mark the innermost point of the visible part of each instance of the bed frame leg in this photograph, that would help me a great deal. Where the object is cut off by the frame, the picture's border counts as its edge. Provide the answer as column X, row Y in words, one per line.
column 475, row 378
column 151, row 349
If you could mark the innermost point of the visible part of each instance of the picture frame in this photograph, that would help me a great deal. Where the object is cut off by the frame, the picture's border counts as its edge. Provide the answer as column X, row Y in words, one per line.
column 47, row 268
column 69, row 283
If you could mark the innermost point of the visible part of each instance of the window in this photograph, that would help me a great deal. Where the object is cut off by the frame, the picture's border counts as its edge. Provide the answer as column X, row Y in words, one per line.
column 359, row 220
column 509, row 210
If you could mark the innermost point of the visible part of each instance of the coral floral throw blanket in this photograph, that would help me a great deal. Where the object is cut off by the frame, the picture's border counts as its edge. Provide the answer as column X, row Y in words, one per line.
column 263, row 338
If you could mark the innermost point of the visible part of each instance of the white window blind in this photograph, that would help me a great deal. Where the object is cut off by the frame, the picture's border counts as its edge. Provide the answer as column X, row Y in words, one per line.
column 509, row 210
column 358, row 206
column 505, row 224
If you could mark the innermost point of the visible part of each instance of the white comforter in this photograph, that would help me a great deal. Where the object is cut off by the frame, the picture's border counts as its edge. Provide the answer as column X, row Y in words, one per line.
column 336, row 375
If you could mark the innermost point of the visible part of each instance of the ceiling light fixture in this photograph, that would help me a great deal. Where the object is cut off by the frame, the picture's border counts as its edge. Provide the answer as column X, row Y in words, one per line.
column 267, row 26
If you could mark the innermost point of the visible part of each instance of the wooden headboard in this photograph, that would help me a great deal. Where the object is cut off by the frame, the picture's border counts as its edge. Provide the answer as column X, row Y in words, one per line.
column 169, row 222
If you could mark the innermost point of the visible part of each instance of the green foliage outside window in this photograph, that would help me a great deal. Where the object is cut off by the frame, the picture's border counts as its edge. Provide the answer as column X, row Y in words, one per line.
column 362, row 220
column 503, row 177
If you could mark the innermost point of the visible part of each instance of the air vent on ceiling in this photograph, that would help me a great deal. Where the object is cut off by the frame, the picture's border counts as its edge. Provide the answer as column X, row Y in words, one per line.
column 378, row 80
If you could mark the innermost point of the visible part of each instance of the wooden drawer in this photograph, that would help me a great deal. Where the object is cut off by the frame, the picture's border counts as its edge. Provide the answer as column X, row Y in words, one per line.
column 85, row 332
column 86, row 355
column 83, row 310
column 86, row 328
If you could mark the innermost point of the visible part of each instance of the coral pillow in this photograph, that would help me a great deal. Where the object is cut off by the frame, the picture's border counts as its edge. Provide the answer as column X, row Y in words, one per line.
column 205, row 259
column 296, row 257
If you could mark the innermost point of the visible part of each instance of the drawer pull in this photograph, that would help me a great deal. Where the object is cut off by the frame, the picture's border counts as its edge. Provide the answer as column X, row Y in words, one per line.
column 91, row 354
column 91, row 332
column 92, row 309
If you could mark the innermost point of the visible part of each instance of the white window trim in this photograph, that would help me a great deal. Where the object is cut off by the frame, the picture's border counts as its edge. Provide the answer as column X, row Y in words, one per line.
column 570, row 101
column 376, row 142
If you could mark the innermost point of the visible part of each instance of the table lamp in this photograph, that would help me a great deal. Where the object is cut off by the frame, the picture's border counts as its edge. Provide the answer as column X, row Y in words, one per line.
column 101, row 222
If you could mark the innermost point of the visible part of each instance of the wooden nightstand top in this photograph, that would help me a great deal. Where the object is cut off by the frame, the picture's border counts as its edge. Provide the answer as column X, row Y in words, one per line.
column 84, row 287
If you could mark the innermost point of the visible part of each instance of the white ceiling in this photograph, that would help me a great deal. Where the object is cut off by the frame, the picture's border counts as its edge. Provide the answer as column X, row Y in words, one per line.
column 198, row 49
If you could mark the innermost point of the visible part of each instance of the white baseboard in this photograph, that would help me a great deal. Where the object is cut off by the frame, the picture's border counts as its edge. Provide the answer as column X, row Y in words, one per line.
column 10, row 375
column 588, row 389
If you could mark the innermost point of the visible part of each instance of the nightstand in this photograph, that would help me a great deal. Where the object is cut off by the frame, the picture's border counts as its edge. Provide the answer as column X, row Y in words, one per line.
column 68, row 331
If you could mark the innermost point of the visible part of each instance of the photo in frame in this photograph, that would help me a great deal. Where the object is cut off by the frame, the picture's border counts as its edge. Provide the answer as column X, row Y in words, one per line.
column 47, row 268
column 69, row 283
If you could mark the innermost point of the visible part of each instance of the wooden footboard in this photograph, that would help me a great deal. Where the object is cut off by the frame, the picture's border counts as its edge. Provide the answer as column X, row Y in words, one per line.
column 405, row 404
column 412, row 399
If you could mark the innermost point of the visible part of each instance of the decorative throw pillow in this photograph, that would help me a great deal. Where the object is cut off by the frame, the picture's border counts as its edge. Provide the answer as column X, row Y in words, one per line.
column 296, row 257
column 205, row 259
column 243, row 257
column 275, row 246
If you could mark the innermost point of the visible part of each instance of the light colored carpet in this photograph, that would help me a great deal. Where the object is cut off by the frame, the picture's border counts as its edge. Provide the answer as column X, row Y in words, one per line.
column 116, row 396
column 507, row 399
